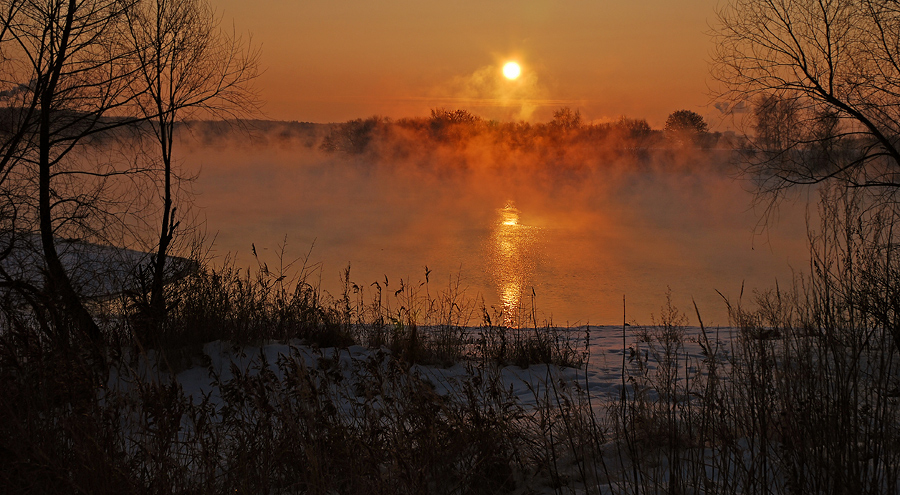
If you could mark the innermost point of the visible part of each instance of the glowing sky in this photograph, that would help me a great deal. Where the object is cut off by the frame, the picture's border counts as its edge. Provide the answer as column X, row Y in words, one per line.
column 334, row 60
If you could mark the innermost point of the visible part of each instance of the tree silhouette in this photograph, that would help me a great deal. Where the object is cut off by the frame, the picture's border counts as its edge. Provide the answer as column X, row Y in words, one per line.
column 186, row 64
column 831, row 71
column 685, row 126
column 65, row 61
column 73, row 72
column 775, row 122
column 566, row 119
column 685, row 121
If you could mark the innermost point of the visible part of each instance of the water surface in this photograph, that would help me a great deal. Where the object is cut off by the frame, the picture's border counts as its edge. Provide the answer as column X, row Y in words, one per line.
column 576, row 242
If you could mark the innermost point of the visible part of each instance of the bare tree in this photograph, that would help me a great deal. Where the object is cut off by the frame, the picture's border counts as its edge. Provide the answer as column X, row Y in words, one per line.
column 71, row 71
column 775, row 122
column 65, row 62
column 187, row 64
column 830, row 69
column 827, row 74
column 566, row 119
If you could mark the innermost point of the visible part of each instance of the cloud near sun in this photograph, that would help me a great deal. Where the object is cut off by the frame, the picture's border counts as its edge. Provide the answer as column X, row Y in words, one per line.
column 488, row 90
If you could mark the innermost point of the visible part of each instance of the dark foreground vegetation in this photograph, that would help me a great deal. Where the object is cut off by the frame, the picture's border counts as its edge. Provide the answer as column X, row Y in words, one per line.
column 800, row 396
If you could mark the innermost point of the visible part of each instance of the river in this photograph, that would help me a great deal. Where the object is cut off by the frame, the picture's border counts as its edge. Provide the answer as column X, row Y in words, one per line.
column 592, row 245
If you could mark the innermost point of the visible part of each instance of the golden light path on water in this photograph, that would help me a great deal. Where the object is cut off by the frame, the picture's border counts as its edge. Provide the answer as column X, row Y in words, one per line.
column 513, row 254
column 583, row 240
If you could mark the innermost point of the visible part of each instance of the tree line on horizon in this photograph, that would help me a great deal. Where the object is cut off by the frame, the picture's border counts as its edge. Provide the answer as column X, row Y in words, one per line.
column 449, row 128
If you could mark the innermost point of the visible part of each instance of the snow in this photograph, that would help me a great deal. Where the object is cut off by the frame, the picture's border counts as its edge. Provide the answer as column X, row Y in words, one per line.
column 601, row 378
column 348, row 377
column 97, row 271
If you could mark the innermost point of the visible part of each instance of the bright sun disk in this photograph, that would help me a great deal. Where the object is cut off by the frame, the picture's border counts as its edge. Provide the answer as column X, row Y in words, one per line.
column 511, row 70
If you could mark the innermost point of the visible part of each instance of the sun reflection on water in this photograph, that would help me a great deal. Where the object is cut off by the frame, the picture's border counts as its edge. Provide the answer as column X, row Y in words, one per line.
column 510, row 214
column 513, row 258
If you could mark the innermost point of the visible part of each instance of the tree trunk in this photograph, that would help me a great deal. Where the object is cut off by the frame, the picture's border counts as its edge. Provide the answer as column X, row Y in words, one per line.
column 58, row 280
column 157, row 298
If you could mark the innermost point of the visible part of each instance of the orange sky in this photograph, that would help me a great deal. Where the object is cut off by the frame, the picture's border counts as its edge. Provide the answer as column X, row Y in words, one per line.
column 334, row 60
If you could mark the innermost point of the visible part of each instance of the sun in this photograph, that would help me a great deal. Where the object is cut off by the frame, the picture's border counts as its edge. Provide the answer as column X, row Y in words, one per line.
column 511, row 70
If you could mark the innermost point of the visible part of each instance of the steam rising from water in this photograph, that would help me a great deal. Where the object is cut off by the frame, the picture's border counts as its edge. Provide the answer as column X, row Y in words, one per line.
column 580, row 228
column 493, row 94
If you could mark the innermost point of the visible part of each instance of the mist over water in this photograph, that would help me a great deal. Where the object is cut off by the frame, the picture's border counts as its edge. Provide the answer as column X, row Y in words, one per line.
column 576, row 240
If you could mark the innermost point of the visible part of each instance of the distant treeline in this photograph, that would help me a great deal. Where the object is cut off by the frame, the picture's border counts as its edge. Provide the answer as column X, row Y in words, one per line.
column 459, row 139
column 460, row 129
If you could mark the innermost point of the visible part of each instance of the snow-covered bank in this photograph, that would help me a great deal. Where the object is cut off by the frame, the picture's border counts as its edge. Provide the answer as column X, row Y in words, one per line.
column 653, row 409
column 602, row 374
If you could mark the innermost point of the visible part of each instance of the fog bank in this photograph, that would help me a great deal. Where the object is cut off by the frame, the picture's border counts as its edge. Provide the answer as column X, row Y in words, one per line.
column 606, row 220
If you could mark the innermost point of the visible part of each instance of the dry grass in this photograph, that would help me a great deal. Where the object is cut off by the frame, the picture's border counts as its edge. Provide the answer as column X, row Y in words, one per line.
column 800, row 397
